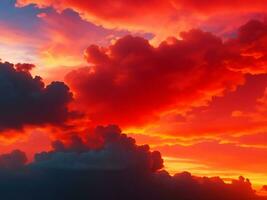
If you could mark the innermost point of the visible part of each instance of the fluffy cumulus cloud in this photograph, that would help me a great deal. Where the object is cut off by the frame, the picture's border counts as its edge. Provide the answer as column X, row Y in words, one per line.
column 143, row 81
column 25, row 100
column 116, row 169
column 110, row 150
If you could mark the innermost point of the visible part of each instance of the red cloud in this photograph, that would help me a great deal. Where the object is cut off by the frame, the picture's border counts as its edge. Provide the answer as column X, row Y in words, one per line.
column 250, row 43
column 173, row 15
column 125, row 9
column 107, row 9
column 225, row 6
column 131, row 81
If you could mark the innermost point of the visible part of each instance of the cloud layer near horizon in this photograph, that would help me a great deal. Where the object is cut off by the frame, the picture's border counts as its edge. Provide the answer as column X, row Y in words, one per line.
column 117, row 169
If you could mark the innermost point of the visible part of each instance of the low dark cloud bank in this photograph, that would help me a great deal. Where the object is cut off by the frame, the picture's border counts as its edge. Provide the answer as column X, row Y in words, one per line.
column 25, row 100
column 116, row 168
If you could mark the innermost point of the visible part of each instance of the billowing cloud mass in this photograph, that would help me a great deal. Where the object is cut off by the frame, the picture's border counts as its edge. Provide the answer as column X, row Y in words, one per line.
column 175, row 75
column 116, row 169
column 25, row 100
column 106, row 148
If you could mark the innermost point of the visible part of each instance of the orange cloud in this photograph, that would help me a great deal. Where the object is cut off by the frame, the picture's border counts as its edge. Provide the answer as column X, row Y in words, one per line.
column 220, row 155
column 173, row 15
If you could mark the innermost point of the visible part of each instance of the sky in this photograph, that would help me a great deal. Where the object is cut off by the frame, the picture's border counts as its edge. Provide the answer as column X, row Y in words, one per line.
column 158, row 86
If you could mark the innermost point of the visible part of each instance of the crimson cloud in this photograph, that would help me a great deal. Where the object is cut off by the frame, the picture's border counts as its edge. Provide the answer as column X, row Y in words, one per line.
column 174, row 15
column 177, row 75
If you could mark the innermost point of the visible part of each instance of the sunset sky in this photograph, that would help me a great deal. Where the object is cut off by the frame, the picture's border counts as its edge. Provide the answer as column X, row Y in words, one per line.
column 186, row 77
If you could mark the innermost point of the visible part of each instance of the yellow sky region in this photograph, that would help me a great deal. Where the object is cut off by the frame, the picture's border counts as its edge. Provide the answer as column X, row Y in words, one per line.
column 176, row 165
column 48, row 65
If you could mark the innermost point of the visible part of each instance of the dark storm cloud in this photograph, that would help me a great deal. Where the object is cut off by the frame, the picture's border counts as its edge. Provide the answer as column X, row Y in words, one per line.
column 25, row 100
column 115, row 151
column 24, row 67
column 116, row 169
column 13, row 160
